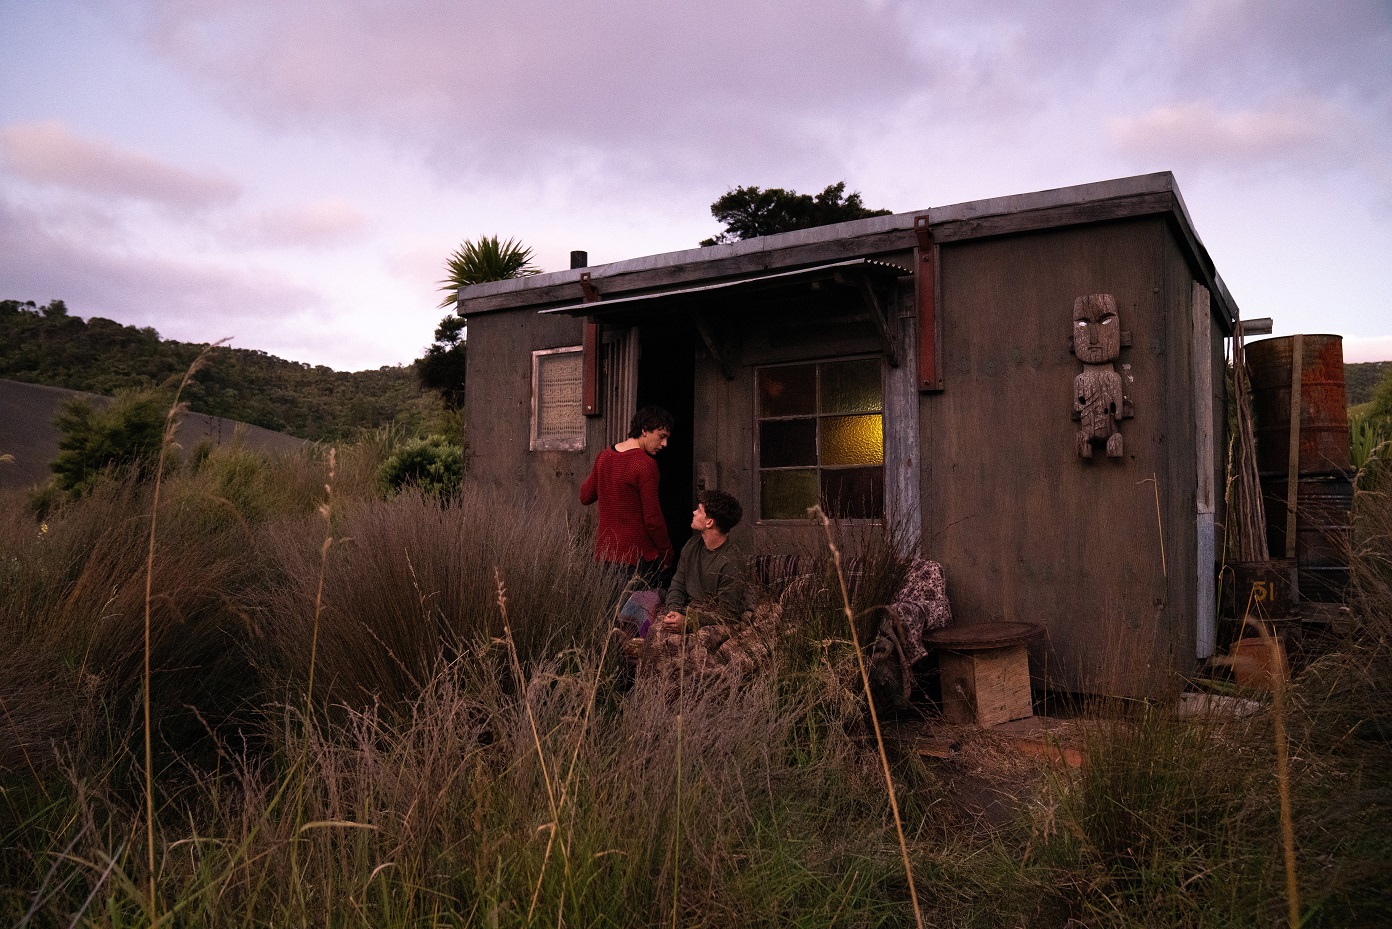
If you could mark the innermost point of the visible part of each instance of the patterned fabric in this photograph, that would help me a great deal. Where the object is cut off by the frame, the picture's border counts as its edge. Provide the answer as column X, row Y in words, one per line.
column 738, row 648
column 921, row 606
column 735, row 648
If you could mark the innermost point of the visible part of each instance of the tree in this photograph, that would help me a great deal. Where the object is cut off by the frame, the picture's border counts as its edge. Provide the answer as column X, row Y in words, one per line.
column 442, row 367
column 748, row 212
column 486, row 259
column 474, row 262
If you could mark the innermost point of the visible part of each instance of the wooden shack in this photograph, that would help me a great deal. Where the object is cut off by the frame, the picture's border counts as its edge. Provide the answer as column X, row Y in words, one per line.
column 917, row 369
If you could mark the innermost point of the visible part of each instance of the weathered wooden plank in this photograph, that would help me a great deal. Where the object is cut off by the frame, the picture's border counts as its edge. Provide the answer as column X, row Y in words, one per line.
column 1069, row 215
column 1024, row 528
column 1201, row 328
column 589, row 344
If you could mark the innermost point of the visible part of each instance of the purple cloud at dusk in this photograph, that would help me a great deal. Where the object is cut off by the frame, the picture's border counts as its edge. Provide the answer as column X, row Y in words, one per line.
column 204, row 159
column 50, row 153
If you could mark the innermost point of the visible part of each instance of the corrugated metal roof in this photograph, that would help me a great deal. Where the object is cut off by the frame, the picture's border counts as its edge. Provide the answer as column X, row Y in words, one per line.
column 882, row 269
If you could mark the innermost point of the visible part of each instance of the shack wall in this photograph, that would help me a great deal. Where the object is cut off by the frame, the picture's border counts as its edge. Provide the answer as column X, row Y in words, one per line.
column 1027, row 530
column 497, row 411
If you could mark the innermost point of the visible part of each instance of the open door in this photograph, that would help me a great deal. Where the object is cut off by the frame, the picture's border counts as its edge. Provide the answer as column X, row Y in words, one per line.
column 667, row 378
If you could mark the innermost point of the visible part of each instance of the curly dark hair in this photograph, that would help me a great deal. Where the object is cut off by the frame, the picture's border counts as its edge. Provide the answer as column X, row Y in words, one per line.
column 721, row 507
column 649, row 419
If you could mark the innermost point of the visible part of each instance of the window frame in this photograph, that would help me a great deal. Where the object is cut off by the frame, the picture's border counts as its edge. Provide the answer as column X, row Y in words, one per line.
column 818, row 415
column 537, row 444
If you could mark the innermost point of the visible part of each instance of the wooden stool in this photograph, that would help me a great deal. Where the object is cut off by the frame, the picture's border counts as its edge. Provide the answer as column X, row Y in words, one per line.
column 985, row 671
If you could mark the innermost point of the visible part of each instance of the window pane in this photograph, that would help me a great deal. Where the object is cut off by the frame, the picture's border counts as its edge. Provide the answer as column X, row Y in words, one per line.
column 854, row 493
column 852, row 386
column 786, row 443
column 790, row 390
column 787, row 494
column 852, row 440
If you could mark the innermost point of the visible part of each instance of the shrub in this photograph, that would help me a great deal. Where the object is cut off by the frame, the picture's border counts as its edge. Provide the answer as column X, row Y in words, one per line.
column 122, row 436
column 433, row 465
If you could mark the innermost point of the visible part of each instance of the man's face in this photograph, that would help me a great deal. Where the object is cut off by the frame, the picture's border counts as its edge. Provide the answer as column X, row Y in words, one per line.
column 654, row 442
column 699, row 520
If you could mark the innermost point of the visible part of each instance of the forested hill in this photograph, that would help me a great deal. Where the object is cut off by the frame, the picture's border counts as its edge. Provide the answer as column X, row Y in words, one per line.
column 45, row 345
column 1361, row 380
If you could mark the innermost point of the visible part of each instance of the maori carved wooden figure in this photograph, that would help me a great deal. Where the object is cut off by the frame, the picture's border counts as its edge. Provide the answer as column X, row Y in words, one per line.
column 1097, row 392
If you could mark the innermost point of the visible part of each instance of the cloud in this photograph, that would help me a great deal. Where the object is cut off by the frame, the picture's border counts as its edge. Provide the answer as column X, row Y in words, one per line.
column 652, row 87
column 49, row 153
column 319, row 224
column 1196, row 132
column 186, row 300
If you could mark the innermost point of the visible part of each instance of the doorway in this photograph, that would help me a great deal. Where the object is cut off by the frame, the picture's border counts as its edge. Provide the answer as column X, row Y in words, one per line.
column 667, row 378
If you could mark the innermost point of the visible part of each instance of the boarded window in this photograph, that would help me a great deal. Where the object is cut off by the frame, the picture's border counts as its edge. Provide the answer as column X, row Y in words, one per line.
column 821, row 439
column 558, row 395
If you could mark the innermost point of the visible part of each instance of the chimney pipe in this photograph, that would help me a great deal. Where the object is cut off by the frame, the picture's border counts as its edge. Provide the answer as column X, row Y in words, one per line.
column 579, row 259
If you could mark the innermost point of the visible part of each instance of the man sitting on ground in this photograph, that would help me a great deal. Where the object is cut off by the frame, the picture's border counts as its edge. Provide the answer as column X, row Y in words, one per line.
column 709, row 587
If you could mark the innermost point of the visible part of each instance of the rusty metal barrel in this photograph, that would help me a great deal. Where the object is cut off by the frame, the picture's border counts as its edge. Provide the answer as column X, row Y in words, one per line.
column 1298, row 384
column 1323, row 406
column 1323, row 531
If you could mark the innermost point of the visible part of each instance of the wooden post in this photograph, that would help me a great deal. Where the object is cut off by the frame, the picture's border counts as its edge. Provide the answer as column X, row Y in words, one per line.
column 1293, row 461
column 926, row 286
column 590, row 344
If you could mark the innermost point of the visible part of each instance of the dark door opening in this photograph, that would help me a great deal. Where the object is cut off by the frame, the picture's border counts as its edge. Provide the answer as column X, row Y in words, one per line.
column 667, row 378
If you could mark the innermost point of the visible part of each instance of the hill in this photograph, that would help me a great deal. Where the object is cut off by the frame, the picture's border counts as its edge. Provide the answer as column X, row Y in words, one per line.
column 1360, row 380
column 46, row 345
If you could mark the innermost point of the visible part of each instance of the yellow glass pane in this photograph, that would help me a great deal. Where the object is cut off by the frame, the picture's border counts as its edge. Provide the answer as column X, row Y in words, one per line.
column 852, row 440
column 787, row 494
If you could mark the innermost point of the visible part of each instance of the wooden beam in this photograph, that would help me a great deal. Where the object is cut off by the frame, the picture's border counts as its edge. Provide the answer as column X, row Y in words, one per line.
column 879, row 313
column 926, row 298
column 590, row 344
column 1293, row 460
column 703, row 326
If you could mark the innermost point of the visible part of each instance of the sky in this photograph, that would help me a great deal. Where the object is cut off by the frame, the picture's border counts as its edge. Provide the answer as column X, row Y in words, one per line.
column 293, row 174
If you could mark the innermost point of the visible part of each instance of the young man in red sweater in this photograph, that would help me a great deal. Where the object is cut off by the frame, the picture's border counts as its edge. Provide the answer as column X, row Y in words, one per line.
column 632, row 531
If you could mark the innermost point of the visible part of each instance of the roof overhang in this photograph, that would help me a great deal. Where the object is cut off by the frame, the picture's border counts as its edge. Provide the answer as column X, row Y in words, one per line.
column 851, row 272
column 879, row 236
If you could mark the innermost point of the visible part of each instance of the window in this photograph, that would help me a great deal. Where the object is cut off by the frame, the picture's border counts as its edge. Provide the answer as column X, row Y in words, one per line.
column 558, row 398
column 821, row 439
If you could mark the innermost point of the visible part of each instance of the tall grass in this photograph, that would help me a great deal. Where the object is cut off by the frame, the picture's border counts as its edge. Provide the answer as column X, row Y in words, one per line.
column 449, row 769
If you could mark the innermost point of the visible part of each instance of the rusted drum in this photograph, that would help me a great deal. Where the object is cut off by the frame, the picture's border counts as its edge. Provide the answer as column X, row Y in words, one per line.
column 1324, row 433
column 1322, row 533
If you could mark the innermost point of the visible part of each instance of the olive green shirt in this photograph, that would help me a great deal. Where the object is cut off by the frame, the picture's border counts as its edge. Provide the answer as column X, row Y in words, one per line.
column 711, row 581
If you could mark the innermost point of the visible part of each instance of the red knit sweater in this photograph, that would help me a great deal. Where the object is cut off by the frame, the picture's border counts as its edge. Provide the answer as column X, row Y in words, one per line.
column 631, row 526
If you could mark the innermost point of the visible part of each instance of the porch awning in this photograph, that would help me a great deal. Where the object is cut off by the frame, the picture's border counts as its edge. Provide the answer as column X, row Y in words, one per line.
column 853, row 271
column 861, row 274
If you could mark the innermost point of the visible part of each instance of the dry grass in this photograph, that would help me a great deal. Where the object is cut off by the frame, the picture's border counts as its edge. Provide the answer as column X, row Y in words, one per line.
column 436, row 780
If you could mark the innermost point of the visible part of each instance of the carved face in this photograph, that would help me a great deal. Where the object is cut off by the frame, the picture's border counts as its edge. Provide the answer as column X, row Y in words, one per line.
column 1096, row 329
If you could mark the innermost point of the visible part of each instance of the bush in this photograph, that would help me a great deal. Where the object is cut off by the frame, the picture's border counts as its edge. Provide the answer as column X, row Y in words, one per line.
column 433, row 465
column 123, row 436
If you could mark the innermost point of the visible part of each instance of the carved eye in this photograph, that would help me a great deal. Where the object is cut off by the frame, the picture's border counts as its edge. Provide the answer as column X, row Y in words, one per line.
column 1107, row 320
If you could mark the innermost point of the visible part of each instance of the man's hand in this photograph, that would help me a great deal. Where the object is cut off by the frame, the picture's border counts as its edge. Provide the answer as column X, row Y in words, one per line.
column 674, row 620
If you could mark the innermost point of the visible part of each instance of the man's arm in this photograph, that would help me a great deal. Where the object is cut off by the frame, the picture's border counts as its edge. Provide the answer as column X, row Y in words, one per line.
column 677, row 596
column 589, row 491
column 653, row 519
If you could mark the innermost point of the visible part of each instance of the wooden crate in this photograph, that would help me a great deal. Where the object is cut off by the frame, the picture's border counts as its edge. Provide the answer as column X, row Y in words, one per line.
column 986, row 687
